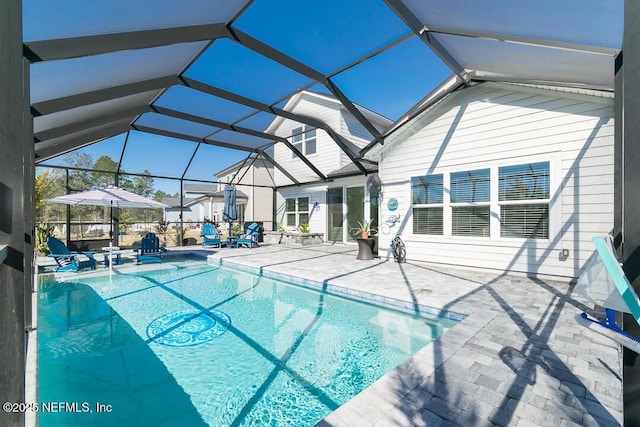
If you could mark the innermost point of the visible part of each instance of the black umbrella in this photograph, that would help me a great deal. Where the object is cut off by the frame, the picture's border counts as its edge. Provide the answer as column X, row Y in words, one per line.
column 230, row 212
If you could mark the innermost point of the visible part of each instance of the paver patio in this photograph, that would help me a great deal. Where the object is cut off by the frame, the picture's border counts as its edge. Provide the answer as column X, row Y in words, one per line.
column 518, row 359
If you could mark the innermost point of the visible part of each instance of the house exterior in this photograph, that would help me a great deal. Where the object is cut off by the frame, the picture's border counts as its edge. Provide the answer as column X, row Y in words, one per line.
column 253, row 177
column 334, row 206
column 507, row 177
column 201, row 202
column 190, row 212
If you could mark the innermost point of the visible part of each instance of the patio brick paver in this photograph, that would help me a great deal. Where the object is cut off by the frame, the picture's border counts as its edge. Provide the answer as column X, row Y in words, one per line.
column 518, row 359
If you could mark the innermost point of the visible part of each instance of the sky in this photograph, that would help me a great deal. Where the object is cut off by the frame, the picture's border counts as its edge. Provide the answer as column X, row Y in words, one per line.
column 324, row 34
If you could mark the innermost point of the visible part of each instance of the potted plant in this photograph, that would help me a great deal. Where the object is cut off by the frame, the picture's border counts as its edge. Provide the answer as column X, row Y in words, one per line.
column 43, row 232
column 363, row 228
column 236, row 230
column 304, row 228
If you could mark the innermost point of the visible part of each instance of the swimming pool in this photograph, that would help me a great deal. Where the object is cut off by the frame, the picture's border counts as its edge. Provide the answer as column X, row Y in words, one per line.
column 191, row 343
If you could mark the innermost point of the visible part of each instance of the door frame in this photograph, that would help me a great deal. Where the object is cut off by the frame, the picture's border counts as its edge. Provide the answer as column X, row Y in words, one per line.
column 345, row 211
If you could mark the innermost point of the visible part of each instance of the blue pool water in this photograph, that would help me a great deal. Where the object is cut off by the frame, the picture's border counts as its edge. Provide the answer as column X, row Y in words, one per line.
column 192, row 344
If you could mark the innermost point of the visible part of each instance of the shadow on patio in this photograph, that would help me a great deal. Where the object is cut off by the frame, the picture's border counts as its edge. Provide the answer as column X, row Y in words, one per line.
column 518, row 357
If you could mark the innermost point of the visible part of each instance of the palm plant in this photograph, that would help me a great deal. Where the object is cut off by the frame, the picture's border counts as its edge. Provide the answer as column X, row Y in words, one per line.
column 364, row 229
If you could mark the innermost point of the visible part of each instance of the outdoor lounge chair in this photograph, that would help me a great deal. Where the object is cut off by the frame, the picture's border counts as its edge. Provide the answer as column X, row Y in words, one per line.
column 210, row 236
column 251, row 238
column 604, row 283
column 67, row 260
column 150, row 249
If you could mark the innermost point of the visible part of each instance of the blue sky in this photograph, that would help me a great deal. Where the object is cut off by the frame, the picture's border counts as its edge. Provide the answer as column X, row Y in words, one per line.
column 324, row 34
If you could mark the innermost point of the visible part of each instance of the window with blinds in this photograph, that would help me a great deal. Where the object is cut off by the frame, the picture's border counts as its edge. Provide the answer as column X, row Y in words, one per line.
column 528, row 221
column 470, row 203
column 470, row 220
column 427, row 198
column 428, row 221
column 524, row 192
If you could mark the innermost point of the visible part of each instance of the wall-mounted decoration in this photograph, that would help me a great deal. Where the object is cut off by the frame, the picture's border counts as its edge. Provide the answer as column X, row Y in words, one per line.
column 392, row 204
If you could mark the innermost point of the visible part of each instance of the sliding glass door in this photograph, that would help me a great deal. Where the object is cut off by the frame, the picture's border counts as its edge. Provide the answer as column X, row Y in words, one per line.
column 335, row 215
column 339, row 224
column 355, row 210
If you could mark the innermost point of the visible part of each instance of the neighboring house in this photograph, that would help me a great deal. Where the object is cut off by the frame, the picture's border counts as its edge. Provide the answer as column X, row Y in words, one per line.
column 334, row 206
column 201, row 202
column 508, row 177
column 253, row 179
column 190, row 211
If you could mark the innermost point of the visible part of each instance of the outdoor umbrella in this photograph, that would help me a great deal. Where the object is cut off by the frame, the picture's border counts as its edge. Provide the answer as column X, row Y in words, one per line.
column 230, row 212
column 114, row 197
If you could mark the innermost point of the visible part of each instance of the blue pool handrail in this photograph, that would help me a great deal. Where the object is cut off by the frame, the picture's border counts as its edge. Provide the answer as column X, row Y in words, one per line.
column 604, row 246
column 626, row 299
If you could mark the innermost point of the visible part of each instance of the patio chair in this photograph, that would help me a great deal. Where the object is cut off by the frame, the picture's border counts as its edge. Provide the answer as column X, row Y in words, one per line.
column 210, row 236
column 67, row 260
column 251, row 238
column 604, row 283
column 150, row 249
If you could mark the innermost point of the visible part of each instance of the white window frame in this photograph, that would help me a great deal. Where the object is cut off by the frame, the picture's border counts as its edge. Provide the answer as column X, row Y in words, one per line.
column 546, row 201
column 453, row 205
column 301, row 137
column 553, row 158
column 296, row 211
column 429, row 205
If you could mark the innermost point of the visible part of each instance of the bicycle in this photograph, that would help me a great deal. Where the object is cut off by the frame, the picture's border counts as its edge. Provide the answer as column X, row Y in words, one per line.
column 398, row 250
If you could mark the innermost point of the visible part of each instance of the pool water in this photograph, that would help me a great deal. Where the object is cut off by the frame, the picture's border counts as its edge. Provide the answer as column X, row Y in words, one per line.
column 193, row 344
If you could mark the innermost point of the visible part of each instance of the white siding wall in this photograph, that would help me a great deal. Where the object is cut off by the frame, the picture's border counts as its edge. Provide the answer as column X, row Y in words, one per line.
column 259, row 206
column 173, row 215
column 494, row 124
column 317, row 193
column 317, row 219
column 263, row 197
column 355, row 132
column 327, row 154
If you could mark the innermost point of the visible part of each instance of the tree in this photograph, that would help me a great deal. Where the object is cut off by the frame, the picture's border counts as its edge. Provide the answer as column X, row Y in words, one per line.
column 44, row 186
column 159, row 195
column 143, row 185
column 103, row 179
column 161, row 228
column 125, row 221
column 80, row 180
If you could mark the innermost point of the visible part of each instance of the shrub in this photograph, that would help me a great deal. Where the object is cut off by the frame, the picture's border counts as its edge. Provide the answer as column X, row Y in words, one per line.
column 304, row 228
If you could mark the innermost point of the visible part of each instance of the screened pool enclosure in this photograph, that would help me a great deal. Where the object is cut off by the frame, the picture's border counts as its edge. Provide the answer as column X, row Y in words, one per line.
column 156, row 96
